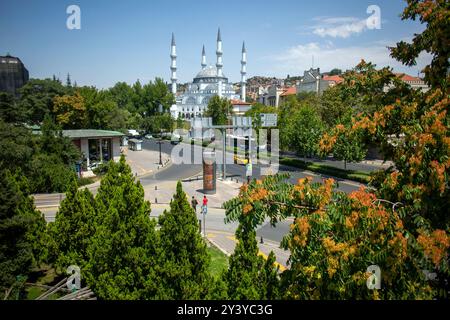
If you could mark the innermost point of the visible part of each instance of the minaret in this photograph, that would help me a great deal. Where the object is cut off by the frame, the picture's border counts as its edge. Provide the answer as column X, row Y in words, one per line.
column 173, row 67
column 173, row 78
column 243, row 71
column 219, row 63
column 203, row 58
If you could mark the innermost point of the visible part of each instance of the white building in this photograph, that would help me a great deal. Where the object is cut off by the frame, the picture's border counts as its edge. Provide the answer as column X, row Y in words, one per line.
column 208, row 82
column 96, row 145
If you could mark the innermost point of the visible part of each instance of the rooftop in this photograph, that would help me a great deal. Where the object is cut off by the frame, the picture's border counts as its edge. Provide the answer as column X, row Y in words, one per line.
column 289, row 91
column 407, row 77
column 240, row 102
column 91, row 133
column 208, row 72
column 336, row 78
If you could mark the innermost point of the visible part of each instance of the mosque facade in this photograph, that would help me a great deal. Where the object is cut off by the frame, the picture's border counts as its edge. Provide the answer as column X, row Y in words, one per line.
column 209, row 81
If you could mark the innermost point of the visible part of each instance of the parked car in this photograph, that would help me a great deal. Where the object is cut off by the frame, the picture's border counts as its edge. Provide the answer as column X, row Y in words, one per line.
column 175, row 138
column 148, row 136
column 133, row 133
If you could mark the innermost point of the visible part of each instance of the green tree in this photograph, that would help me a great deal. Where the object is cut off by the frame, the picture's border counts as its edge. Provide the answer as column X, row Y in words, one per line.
column 219, row 109
column 51, row 166
column 37, row 97
column 305, row 129
column 289, row 107
column 22, row 244
column 349, row 146
column 52, row 142
column 10, row 110
column 107, row 115
column 158, row 123
column 70, row 111
column 48, row 174
column 255, row 113
column 154, row 94
column 433, row 40
column 138, row 97
column 366, row 90
column 244, row 267
column 73, row 228
column 68, row 81
column 335, row 237
column 124, row 252
column 335, row 72
column 249, row 276
column 123, row 95
column 334, row 108
column 17, row 147
column 185, row 260
column 46, row 160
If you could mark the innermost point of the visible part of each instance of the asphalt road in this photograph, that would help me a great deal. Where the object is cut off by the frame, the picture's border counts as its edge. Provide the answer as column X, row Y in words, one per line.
column 180, row 171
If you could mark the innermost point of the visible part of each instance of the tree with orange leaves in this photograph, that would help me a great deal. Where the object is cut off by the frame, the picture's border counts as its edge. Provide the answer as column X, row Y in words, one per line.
column 335, row 237
column 402, row 225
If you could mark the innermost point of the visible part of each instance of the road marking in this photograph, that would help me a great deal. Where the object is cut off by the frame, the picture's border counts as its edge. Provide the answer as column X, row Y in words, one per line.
column 282, row 267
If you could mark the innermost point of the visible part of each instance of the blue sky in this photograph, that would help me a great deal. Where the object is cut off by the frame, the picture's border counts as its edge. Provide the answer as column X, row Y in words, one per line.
column 130, row 40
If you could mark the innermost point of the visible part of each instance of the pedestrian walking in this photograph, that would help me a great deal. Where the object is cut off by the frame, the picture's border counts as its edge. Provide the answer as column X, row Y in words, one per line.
column 194, row 204
column 205, row 204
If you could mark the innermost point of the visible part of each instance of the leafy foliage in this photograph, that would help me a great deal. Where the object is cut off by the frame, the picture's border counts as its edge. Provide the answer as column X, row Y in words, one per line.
column 434, row 39
column 73, row 228
column 70, row 111
column 124, row 250
column 335, row 237
column 22, row 237
column 37, row 96
column 185, row 260
column 345, row 144
column 304, row 131
column 249, row 277
column 219, row 109
column 10, row 110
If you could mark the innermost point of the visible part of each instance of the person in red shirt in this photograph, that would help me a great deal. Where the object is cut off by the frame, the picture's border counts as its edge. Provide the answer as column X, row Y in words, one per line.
column 205, row 205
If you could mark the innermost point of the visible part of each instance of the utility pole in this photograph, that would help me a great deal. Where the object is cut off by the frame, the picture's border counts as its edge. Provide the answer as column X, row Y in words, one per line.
column 224, row 153
column 204, row 221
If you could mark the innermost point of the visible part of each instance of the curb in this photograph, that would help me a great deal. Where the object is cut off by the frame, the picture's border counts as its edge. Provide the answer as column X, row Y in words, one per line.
column 169, row 164
column 218, row 247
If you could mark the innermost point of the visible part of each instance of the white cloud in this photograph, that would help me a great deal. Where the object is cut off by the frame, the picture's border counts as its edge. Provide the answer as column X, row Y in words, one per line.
column 334, row 20
column 298, row 58
column 339, row 27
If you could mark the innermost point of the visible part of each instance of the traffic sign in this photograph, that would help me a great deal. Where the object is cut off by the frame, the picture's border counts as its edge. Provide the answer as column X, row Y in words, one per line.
column 269, row 119
column 243, row 126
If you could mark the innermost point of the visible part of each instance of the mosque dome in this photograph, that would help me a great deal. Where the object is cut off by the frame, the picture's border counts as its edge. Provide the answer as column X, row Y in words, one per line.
column 208, row 72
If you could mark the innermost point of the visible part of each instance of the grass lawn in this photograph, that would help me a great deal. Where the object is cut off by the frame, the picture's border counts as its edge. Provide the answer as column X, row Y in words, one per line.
column 219, row 261
column 46, row 275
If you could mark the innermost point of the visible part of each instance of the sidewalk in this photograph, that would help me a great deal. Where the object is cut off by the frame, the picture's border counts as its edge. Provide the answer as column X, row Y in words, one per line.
column 141, row 163
column 145, row 161
column 162, row 192
column 219, row 233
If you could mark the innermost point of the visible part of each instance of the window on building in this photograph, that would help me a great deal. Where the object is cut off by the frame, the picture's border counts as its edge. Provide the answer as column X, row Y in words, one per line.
column 106, row 149
column 94, row 151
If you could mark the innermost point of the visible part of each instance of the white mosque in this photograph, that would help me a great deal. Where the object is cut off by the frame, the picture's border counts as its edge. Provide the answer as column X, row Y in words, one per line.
column 208, row 82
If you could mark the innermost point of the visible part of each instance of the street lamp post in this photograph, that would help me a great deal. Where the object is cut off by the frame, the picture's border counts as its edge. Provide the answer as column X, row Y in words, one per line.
column 160, row 142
